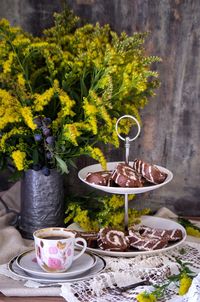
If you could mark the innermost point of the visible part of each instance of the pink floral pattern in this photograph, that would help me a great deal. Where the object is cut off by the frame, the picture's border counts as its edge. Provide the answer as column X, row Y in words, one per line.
column 54, row 263
column 54, row 255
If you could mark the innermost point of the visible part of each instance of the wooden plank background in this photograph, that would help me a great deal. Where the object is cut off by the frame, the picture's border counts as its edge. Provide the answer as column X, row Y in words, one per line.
column 170, row 132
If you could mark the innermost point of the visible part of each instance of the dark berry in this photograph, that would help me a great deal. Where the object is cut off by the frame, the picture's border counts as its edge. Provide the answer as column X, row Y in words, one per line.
column 50, row 140
column 46, row 131
column 38, row 121
column 45, row 171
column 37, row 137
column 36, row 167
column 47, row 121
column 48, row 155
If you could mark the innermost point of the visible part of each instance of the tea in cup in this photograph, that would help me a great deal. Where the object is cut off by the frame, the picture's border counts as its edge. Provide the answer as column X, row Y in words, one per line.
column 55, row 248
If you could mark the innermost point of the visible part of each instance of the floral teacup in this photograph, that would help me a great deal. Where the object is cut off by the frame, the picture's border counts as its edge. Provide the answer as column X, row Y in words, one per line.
column 55, row 249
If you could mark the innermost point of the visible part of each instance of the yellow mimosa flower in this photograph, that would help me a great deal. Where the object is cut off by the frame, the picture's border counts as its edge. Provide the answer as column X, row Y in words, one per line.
column 185, row 283
column 28, row 117
column 71, row 133
column 145, row 297
column 41, row 100
column 7, row 65
column 21, row 81
column 19, row 159
column 192, row 231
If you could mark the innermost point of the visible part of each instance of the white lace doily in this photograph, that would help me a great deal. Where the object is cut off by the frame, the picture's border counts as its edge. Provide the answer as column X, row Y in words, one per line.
column 125, row 271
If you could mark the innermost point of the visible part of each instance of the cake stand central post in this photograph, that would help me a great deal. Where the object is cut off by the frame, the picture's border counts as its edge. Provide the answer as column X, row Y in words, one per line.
column 126, row 213
column 127, row 149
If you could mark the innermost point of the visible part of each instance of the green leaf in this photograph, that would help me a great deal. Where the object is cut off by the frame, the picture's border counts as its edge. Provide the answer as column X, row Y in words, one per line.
column 17, row 175
column 62, row 164
column 182, row 251
column 72, row 163
column 84, row 90
column 186, row 223
column 64, row 85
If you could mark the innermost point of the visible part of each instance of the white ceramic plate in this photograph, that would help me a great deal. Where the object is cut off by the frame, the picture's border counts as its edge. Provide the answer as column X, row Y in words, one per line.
column 27, row 262
column 118, row 190
column 96, row 269
column 154, row 222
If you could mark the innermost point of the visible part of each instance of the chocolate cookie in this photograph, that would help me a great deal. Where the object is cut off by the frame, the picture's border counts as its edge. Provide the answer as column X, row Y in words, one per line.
column 170, row 235
column 112, row 240
column 125, row 176
column 90, row 237
column 150, row 172
column 101, row 178
column 145, row 243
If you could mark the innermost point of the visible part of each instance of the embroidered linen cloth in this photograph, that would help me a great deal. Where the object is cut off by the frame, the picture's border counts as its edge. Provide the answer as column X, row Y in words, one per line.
column 101, row 288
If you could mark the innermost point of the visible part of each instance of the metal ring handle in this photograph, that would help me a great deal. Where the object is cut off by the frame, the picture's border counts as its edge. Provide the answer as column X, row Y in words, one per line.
column 133, row 118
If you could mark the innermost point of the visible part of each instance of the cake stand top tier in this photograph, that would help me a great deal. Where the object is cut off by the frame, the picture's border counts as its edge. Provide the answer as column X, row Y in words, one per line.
column 119, row 190
column 111, row 166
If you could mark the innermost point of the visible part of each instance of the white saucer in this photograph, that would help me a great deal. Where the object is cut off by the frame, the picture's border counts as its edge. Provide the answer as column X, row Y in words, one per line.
column 119, row 190
column 96, row 269
column 27, row 262
column 151, row 221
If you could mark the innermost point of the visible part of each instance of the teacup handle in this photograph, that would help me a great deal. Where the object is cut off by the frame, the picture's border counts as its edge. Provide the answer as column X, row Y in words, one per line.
column 83, row 249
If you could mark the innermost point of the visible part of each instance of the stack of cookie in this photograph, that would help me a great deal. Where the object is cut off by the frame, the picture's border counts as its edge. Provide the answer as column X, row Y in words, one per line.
column 140, row 238
column 139, row 175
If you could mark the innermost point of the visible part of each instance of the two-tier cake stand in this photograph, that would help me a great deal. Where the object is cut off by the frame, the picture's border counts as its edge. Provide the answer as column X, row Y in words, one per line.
column 111, row 167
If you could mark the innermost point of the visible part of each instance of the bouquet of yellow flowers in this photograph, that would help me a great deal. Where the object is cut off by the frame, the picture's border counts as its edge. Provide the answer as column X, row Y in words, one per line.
column 61, row 93
column 91, row 212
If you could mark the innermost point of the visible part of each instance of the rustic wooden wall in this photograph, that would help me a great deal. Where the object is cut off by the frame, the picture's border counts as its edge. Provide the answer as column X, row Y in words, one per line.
column 170, row 134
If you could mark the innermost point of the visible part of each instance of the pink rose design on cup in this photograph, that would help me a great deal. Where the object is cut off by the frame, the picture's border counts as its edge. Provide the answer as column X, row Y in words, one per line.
column 54, row 263
column 55, row 249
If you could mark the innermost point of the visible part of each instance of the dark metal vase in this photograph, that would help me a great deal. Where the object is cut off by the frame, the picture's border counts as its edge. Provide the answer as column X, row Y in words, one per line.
column 42, row 201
